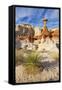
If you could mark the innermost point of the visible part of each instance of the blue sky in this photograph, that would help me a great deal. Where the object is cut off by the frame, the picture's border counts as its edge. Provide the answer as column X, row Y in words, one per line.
column 34, row 16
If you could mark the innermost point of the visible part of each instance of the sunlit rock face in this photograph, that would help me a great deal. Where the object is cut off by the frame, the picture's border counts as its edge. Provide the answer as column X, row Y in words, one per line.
column 55, row 34
column 48, row 45
column 44, row 32
column 37, row 31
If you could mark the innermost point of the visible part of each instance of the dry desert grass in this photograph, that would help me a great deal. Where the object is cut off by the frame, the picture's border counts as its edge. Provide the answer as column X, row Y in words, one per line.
column 28, row 68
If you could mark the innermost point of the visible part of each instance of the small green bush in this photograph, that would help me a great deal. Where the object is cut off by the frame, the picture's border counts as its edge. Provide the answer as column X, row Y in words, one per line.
column 32, row 63
column 32, row 58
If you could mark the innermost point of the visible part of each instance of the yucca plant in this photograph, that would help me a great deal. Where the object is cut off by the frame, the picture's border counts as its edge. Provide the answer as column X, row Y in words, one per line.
column 32, row 63
column 32, row 58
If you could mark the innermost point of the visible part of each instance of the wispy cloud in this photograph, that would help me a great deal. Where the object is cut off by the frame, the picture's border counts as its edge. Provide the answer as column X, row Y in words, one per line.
column 34, row 16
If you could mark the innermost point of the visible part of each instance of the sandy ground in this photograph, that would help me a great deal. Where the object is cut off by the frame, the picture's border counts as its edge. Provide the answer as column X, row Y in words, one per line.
column 49, row 73
column 49, row 63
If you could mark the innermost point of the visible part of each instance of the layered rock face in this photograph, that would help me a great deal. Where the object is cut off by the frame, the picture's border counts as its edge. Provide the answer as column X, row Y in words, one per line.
column 24, row 31
column 24, row 34
column 49, row 40
column 55, row 35
column 27, row 35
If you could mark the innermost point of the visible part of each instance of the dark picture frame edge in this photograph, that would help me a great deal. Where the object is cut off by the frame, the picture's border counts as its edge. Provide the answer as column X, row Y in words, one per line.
column 11, row 42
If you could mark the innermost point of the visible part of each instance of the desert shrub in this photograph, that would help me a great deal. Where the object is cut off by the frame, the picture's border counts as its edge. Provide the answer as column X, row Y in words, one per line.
column 32, row 58
column 32, row 63
column 31, row 69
